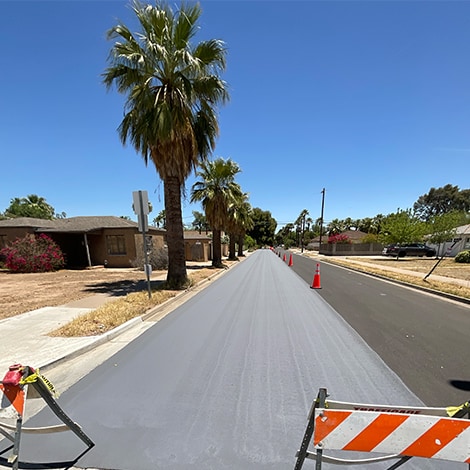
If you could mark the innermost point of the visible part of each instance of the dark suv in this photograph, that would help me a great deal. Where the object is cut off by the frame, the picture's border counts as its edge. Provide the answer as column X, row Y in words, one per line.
column 410, row 249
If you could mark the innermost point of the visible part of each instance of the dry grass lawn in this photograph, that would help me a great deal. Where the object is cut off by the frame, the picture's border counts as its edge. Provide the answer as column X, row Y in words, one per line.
column 440, row 280
column 115, row 313
column 127, row 289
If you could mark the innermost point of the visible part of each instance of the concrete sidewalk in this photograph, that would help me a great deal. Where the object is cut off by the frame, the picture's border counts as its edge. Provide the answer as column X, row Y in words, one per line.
column 25, row 337
column 25, row 340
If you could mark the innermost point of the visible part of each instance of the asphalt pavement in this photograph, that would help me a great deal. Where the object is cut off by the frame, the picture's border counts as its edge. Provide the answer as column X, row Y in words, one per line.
column 25, row 337
column 226, row 381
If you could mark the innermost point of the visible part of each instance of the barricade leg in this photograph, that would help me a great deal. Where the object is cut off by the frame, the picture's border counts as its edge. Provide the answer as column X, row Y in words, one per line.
column 302, row 454
column 14, row 387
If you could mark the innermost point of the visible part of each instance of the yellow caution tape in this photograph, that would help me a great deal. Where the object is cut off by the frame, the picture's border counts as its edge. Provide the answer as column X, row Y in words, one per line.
column 458, row 411
column 32, row 378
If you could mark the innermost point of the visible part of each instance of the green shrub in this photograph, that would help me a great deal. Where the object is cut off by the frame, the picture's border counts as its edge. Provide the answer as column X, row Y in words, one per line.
column 33, row 254
column 463, row 257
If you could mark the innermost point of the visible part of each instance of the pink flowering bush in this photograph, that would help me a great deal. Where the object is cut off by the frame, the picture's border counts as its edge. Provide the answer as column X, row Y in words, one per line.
column 33, row 254
column 340, row 238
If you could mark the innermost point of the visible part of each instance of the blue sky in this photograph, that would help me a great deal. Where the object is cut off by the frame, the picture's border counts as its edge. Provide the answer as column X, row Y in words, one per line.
column 367, row 99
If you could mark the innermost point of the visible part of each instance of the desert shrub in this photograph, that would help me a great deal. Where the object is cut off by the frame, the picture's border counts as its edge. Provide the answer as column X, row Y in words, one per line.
column 33, row 254
column 158, row 259
column 340, row 238
column 463, row 257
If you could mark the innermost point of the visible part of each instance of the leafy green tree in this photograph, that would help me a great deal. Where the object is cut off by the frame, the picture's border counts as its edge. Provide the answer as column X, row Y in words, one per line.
column 249, row 242
column 286, row 235
column 30, row 206
column 443, row 227
column 442, row 200
column 401, row 227
column 217, row 191
column 172, row 89
column 264, row 227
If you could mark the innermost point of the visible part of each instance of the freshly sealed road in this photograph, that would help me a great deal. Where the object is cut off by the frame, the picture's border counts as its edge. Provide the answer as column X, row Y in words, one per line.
column 226, row 381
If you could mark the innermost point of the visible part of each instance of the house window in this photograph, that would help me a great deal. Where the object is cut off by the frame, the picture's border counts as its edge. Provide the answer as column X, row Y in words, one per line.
column 116, row 244
column 467, row 243
column 3, row 241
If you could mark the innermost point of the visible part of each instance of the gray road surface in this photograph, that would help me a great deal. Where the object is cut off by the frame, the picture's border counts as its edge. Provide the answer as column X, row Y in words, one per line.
column 422, row 337
column 224, row 382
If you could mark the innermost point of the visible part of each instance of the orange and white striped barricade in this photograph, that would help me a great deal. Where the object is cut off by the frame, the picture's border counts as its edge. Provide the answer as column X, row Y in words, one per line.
column 20, row 383
column 396, row 432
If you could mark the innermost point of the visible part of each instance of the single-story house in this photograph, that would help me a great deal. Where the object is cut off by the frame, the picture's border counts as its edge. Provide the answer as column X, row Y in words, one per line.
column 88, row 240
column 459, row 242
column 357, row 247
column 197, row 245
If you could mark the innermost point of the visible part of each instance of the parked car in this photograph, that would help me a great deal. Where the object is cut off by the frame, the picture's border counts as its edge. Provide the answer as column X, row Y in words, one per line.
column 410, row 249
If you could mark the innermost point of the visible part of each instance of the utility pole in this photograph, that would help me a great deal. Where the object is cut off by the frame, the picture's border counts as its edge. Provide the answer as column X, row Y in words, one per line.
column 321, row 218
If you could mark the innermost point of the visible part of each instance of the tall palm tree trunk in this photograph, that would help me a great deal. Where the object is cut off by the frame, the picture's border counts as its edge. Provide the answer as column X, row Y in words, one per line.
column 231, row 247
column 217, row 251
column 241, row 239
column 177, row 276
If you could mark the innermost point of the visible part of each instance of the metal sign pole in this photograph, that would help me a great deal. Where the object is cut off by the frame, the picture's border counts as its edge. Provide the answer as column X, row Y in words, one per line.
column 146, row 256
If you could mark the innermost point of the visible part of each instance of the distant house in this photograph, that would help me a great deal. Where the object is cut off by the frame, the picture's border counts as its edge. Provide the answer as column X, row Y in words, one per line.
column 357, row 247
column 87, row 241
column 355, row 236
column 459, row 242
column 197, row 246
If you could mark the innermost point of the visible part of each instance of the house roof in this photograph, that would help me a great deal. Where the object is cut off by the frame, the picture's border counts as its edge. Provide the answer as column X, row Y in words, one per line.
column 195, row 235
column 81, row 224
column 354, row 234
column 463, row 229
column 26, row 222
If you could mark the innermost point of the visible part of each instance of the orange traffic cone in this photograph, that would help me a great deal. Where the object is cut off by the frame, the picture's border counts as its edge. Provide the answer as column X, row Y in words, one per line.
column 316, row 279
column 284, row 257
column 291, row 262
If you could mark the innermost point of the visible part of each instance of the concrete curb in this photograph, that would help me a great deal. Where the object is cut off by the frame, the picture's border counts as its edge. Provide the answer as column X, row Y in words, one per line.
column 97, row 341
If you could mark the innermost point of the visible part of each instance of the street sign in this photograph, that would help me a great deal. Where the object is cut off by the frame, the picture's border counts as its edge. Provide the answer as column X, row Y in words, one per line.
column 143, row 223
column 140, row 202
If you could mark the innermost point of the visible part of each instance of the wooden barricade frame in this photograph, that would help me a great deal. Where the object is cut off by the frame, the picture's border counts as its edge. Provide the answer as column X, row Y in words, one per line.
column 398, row 433
column 13, row 398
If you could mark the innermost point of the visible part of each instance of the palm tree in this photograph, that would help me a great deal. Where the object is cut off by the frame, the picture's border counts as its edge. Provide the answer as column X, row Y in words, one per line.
column 199, row 223
column 300, row 224
column 160, row 219
column 246, row 223
column 30, row 206
column 238, row 222
column 172, row 89
column 217, row 191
